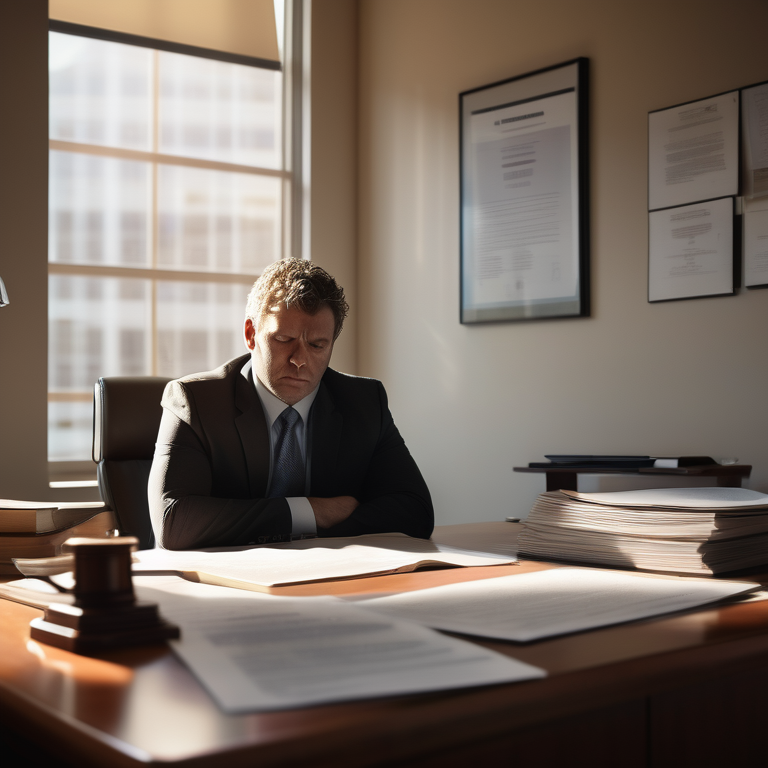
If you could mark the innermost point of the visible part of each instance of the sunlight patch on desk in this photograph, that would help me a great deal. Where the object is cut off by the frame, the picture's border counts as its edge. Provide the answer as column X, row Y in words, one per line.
column 99, row 672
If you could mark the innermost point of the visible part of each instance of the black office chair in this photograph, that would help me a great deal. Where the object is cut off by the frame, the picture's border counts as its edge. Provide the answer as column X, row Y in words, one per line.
column 126, row 417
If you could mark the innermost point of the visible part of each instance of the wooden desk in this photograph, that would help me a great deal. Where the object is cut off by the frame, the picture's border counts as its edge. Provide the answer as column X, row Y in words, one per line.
column 681, row 691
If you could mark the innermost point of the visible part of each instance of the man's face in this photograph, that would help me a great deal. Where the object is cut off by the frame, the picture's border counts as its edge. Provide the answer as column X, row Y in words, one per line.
column 291, row 350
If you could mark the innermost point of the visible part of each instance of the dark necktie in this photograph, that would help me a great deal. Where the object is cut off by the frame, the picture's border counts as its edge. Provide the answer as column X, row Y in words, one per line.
column 288, row 470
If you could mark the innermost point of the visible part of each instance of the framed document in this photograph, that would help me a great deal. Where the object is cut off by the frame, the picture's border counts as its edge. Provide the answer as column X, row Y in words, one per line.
column 524, row 197
column 755, row 221
column 693, row 151
column 690, row 251
column 754, row 121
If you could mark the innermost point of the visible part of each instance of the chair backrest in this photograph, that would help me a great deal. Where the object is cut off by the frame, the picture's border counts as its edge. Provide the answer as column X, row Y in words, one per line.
column 126, row 418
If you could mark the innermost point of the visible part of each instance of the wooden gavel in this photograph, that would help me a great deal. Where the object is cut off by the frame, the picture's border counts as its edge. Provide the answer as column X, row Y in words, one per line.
column 105, row 613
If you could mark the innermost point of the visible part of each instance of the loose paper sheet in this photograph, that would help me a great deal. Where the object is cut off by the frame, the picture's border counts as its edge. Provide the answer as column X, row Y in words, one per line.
column 258, row 653
column 677, row 498
column 531, row 606
column 311, row 560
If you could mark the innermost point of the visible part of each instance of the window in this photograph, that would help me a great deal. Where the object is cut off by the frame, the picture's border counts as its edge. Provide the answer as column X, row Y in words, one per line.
column 168, row 196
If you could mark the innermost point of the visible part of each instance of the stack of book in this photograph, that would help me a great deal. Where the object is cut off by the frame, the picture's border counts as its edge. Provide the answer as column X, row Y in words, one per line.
column 38, row 529
column 682, row 530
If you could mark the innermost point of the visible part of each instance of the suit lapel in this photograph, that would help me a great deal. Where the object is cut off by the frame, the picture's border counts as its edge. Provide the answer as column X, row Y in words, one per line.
column 254, row 436
column 326, row 424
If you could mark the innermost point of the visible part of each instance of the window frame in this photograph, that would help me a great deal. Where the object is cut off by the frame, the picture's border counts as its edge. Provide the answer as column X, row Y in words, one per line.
column 293, row 203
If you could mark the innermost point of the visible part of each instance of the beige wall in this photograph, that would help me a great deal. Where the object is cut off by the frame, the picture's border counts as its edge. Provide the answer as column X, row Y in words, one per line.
column 333, row 164
column 24, row 247
column 473, row 401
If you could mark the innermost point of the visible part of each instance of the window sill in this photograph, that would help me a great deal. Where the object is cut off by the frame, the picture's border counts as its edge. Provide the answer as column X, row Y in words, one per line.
column 73, row 484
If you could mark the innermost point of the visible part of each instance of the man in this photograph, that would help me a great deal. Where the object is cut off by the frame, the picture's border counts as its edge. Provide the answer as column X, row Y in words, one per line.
column 276, row 445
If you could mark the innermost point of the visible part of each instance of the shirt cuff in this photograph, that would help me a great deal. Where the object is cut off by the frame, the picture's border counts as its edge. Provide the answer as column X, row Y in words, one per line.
column 303, row 525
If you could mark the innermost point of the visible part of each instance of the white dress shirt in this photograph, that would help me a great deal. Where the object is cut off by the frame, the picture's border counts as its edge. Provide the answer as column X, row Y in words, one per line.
column 302, row 517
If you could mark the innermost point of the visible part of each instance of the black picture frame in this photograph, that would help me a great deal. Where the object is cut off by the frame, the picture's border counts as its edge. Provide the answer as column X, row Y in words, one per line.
column 524, row 196
column 691, row 251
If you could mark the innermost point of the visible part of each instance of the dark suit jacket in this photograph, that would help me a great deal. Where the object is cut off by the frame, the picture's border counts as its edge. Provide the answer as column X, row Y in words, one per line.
column 211, row 467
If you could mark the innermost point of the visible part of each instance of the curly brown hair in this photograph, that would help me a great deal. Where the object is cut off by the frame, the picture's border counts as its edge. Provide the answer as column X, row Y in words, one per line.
column 297, row 283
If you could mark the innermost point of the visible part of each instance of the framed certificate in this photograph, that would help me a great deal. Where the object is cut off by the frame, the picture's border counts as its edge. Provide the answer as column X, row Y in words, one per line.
column 693, row 151
column 525, row 197
column 754, row 122
column 690, row 251
column 755, row 240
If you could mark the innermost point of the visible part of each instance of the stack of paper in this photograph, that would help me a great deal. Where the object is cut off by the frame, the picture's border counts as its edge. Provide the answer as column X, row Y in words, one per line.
column 686, row 530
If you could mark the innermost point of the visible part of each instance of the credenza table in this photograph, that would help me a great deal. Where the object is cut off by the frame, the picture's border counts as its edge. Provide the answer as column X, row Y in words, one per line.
column 688, row 689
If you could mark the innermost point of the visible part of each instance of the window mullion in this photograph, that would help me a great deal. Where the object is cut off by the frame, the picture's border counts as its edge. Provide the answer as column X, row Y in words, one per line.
column 100, row 150
column 154, row 204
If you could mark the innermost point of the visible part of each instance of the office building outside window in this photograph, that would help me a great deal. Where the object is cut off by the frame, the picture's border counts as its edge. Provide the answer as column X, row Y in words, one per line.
column 167, row 197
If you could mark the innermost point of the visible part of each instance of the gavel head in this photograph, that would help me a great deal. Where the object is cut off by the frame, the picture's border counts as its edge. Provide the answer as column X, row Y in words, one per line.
column 102, row 571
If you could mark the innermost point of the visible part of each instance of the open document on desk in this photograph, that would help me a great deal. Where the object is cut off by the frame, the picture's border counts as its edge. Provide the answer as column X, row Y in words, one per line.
column 532, row 606
column 259, row 653
column 308, row 560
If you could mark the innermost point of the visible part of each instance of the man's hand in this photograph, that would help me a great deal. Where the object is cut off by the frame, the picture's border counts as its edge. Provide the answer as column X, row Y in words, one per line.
column 332, row 511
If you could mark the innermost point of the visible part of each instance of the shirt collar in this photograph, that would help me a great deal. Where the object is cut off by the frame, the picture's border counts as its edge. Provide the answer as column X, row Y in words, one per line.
column 274, row 406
